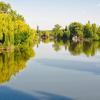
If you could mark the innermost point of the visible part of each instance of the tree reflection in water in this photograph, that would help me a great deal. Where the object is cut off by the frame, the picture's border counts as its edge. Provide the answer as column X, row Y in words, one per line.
column 77, row 48
column 89, row 48
column 13, row 62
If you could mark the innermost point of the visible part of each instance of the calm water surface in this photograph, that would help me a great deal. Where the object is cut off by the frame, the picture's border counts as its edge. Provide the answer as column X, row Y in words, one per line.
column 49, row 74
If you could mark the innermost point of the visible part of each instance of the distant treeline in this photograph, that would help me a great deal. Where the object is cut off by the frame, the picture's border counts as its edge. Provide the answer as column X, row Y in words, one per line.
column 75, row 31
column 13, row 29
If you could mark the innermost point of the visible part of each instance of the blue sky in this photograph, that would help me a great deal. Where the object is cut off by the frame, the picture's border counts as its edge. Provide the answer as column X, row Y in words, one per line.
column 47, row 13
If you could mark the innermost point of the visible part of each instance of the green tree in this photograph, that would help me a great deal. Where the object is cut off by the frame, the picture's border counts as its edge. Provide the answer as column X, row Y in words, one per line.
column 94, row 30
column 98, row 32
column 57, row 31
column 66, row 34
column 4, row 8
column 7, row 28
column 88, row 32
column 16, row 16
column 13, row 29
column 76, row 29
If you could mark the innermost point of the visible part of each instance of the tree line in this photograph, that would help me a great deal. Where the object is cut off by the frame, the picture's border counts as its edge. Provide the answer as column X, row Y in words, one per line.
column 75, row 31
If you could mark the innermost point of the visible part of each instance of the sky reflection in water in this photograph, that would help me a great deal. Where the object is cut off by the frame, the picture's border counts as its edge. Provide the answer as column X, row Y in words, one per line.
column 50, row 74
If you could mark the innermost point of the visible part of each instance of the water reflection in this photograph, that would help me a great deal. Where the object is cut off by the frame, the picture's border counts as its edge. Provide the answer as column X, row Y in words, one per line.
column 89, row 48
column 46, row 76
column 13, row 62
column 71, row 65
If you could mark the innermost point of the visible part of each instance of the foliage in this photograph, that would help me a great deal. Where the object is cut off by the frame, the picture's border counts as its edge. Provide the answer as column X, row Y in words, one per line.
column 81, row 32
column 4, row 8
column 76, row 29
column 45, row 33
column 98, row 32
column 88, row 32
column 13, row 29
column 57, row 31
column 22, row 33
column 6, row 28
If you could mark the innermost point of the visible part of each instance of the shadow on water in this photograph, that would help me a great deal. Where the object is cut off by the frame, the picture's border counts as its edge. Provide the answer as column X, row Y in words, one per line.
column 71, row 65
column 7, row 93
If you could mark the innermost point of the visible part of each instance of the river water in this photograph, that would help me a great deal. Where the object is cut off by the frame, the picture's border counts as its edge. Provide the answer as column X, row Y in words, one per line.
column 54, row 72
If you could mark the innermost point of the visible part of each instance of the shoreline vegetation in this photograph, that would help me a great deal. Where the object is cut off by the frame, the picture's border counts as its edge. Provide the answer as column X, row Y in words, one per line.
column 16, row 42
column 16, row 33
column 76, row 38
column 75, row 32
